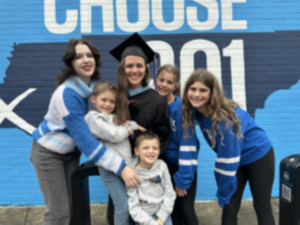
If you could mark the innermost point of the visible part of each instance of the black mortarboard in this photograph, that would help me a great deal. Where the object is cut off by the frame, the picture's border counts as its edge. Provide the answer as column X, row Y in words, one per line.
column 133, row 45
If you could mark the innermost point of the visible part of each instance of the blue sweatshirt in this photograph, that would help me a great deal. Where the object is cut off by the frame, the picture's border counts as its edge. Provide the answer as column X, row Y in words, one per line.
column 233, row 152
column 181, row 151
column 64, row 126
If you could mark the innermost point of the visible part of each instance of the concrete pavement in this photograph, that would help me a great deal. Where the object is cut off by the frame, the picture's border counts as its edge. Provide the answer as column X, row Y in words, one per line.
column 208, row 212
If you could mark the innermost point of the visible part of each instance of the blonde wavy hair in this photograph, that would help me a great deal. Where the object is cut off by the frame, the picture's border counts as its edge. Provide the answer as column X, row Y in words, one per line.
column 104, row 86
column 219, row 108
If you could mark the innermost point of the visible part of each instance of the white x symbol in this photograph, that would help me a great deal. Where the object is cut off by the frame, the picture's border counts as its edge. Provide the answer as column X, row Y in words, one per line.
column 6, row 112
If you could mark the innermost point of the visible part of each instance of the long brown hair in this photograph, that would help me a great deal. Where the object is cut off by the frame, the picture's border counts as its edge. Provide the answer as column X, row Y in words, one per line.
column 219, row 108
column 123, row 87
column 68, row 56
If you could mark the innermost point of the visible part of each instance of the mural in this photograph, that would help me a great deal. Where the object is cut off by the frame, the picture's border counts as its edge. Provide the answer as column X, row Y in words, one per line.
column 252, row 46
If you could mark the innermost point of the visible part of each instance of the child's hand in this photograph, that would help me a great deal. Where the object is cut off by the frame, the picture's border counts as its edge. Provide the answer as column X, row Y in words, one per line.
column 130, row 132
column 160, row 221
column 180, row 192
column 142, row 128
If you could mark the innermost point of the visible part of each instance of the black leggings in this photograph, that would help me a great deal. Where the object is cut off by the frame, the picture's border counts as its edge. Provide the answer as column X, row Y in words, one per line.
column 260, row 175
column 184, row 211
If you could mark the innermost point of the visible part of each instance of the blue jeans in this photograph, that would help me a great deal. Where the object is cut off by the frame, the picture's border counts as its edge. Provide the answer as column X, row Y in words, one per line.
column 117, row 191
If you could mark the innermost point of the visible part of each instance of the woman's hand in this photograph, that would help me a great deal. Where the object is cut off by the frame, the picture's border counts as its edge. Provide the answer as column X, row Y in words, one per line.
column 130, row 177
column 180, row 192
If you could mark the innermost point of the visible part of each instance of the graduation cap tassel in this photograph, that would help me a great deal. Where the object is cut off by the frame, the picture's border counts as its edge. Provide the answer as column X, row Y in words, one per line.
column 156, row 56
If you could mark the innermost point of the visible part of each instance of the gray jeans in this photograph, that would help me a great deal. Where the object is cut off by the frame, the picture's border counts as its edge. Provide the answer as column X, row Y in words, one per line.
column 54, row 172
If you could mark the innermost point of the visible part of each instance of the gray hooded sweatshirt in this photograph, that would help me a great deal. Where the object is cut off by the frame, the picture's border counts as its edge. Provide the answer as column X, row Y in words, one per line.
column 154, row 196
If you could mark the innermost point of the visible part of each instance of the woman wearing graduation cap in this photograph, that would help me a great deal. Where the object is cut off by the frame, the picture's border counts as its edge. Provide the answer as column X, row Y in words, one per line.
column 145, row 105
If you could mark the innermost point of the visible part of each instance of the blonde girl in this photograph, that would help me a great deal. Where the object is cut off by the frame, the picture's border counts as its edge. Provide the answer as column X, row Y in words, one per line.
column 103, row 125
column 182, row 152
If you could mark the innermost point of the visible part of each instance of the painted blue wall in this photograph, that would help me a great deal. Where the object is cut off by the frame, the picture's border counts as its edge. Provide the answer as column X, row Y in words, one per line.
column 253, row 46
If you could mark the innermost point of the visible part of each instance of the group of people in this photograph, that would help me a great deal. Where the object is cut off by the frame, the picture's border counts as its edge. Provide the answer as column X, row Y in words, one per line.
column 144, row 140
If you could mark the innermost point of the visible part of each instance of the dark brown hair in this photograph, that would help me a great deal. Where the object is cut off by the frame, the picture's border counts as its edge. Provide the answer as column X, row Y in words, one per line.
column 68, row 56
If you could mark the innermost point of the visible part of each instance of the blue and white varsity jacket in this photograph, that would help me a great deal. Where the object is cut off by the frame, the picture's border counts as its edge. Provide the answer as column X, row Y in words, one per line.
column 64, row 126
column 233, row 152
column 181, row 151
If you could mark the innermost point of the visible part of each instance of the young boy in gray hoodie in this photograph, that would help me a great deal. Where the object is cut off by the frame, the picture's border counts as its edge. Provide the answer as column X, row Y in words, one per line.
column 151, row 203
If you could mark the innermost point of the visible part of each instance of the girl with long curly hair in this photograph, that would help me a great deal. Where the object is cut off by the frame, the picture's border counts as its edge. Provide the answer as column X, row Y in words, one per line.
column 244, row 151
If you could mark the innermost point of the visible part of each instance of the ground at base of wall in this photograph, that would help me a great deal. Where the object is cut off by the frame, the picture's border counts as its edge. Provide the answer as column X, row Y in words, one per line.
column 208, row 212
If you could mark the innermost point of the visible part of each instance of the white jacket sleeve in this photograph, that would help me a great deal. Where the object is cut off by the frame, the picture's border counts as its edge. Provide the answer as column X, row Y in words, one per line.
column 132, row 125
column 102, row 128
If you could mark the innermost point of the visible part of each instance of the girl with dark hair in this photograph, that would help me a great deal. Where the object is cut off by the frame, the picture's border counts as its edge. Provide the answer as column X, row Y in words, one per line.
column 244, row 151
column 63, row 134
column 70, row 54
